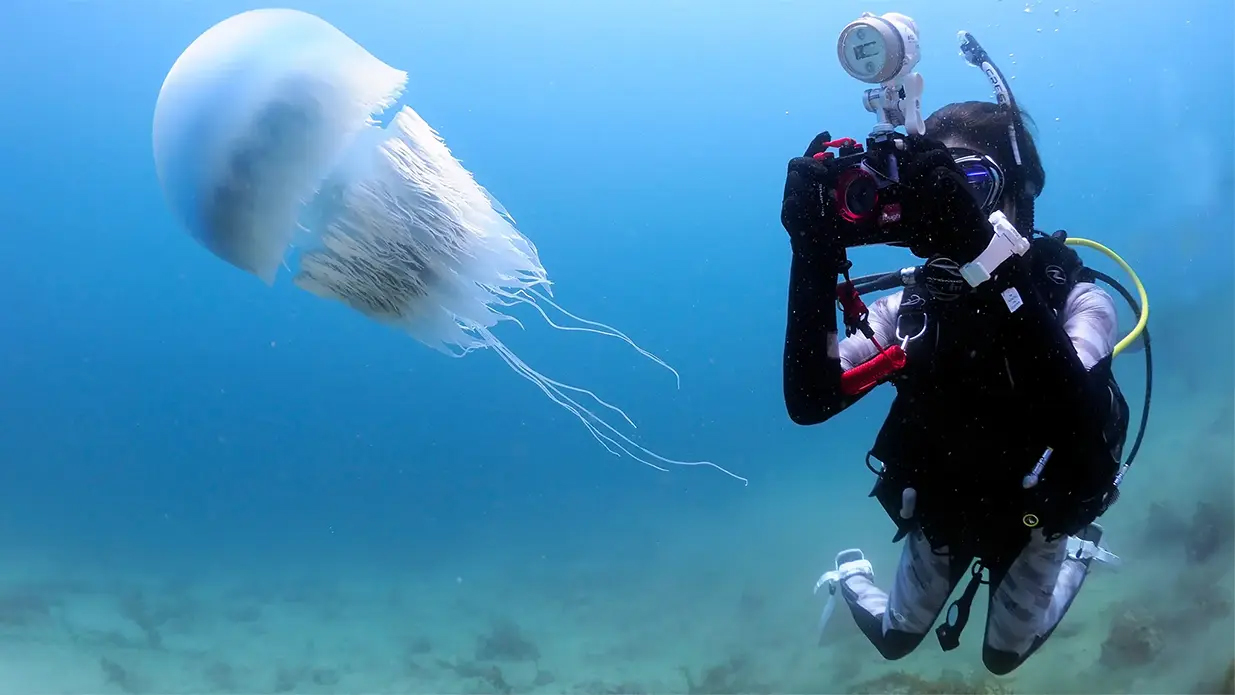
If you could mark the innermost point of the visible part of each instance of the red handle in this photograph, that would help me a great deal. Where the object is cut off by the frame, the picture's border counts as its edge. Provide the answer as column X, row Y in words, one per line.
column 870, row 373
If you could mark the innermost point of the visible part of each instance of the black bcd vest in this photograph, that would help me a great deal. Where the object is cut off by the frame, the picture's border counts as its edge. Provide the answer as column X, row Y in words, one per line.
column 962, row 434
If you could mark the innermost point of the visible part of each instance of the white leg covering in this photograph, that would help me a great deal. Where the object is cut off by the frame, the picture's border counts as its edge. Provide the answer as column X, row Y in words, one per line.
column 919, row 591
column 922, row 587
column 1038, row 588
column 1071, row 574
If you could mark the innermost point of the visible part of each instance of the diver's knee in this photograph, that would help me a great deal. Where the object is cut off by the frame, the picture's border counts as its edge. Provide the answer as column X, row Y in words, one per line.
column 898, row 645
column 1000, row 662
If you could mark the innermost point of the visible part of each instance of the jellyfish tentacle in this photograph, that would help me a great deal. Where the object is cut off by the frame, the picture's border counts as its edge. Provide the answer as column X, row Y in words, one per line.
column 522, row 369
column 622, row 442
column 529, row 296
column 488, row 339
column 594, row 397
column 598, row 327
column 572, row 406
column 674, row 462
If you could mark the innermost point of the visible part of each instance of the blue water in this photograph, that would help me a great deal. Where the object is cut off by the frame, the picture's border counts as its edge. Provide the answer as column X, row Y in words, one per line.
column 172, row 423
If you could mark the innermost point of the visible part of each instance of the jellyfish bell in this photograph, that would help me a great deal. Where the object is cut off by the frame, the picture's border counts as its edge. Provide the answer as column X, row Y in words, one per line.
column 251, row 117
column 269, row 151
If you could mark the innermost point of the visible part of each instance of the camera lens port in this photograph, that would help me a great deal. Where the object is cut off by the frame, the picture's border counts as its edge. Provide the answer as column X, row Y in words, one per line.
column 857, row 194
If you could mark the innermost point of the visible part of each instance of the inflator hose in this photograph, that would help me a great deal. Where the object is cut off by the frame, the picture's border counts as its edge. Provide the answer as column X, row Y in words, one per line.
column 1143, row 317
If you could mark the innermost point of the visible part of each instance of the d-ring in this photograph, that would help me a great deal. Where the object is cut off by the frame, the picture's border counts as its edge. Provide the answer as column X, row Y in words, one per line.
column 905, row 340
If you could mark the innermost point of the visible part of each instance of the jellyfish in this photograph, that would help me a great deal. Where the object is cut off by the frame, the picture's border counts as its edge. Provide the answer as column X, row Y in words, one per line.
column 281, row 143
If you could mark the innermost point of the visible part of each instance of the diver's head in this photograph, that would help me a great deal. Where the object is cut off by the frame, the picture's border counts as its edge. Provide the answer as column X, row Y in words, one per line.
column 977, row 132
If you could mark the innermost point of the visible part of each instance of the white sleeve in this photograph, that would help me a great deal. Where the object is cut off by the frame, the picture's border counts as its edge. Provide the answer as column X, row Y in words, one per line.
column 1090, row 321
column 857, row 348
column 1088, row 317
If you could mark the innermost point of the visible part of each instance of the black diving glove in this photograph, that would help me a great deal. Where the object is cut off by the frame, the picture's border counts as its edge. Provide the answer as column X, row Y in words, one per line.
column 812, row 233
column 946, row 219
column 1051, row 259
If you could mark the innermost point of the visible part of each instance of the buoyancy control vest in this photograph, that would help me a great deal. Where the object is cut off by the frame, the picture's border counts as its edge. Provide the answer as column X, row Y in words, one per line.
column 974, row 418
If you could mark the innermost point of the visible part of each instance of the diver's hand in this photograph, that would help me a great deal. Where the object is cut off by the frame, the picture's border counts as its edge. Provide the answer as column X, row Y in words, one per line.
column 811, row 232
column 819, row 144
column 1050, row 258
column 945, row 216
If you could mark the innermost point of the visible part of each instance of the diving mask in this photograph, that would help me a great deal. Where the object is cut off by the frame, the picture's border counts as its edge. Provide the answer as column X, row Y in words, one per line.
column 984, row 176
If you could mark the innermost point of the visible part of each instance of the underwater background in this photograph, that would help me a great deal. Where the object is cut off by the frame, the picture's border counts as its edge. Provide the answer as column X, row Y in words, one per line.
column 208, row 485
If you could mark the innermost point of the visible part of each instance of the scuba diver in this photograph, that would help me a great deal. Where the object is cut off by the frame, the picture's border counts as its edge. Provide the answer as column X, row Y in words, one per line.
column 1003, row 443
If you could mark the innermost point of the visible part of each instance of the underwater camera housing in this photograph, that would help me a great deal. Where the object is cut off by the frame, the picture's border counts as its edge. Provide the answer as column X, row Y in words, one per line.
column 863, row 182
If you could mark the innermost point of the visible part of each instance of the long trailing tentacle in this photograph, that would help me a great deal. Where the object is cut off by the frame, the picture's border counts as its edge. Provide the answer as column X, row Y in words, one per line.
column 594, row 397
column 612, row 439
column 487, row 339
column 561, row 399
column 531, row 297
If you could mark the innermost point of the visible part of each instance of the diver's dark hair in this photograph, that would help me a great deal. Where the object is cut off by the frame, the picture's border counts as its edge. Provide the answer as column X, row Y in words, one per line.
column 984, row 125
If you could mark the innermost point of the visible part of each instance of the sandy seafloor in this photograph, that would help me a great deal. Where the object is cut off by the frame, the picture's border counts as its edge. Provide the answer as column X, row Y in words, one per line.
column 696, row 611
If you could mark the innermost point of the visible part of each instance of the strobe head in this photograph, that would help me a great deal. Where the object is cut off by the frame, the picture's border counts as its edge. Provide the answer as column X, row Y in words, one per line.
column 878, row 49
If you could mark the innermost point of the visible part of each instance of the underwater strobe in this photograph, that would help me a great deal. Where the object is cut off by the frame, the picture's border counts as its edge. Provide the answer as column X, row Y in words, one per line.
column 883, row 50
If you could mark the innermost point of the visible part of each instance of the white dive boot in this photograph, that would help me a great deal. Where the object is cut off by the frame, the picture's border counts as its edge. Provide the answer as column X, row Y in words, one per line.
column 849, row 563
column 1084, row 547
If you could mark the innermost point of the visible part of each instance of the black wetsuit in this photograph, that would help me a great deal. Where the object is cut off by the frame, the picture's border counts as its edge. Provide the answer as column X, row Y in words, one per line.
column 987, row 385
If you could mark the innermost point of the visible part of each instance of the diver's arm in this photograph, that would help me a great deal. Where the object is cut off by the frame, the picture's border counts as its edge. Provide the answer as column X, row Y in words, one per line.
column 814, row 361
column 812, row 368
column 1089, row 319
